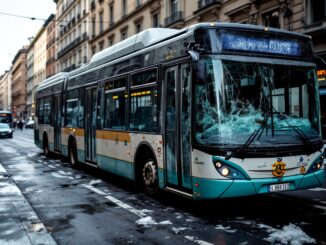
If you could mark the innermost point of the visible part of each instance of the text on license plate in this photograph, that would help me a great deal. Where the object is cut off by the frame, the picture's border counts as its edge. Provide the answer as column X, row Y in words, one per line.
column 279, row 187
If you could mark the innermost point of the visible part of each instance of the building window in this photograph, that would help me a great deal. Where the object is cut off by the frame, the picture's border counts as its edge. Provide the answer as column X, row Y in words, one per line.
column 271, row 19
column 173, row 6
column 138, row 27
column 124, row 34
column 93, row 50
column 111, row 13
column 318, row 10
column 156, row 20
column 124, row 7
column 111, row 41
column 93, row 27
column 101, row 45
column 101, row 22
column 138, row 3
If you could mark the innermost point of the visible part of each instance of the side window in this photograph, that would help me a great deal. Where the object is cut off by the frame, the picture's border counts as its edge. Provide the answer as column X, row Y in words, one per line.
column 75, row 109
column 115, row 104
column 47, row 110
column 41, row 111
column 143, row 101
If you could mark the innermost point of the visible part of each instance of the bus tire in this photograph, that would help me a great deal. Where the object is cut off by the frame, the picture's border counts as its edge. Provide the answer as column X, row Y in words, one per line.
column 72, row 154
column 46, row 150
column 150, row 177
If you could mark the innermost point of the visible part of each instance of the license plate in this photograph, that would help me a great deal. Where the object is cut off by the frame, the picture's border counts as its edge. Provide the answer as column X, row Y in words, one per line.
column 279, row 187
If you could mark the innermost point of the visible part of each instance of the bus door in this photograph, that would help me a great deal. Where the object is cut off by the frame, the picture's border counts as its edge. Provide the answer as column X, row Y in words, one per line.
column 90, row 125
column 57, row 122
column 177, row 97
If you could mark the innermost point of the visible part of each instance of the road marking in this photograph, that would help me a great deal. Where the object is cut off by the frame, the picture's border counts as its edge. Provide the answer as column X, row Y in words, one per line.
column 121, row 204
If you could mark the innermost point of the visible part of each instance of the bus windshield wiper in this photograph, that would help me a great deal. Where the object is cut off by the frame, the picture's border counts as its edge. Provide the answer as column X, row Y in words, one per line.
column 301, row 134
column 250, row 139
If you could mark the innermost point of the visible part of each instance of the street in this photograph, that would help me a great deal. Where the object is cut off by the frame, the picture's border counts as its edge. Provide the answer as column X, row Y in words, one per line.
column 45, row 201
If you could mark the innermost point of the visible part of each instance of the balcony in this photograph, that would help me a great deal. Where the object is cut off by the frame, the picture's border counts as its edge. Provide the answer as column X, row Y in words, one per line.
column 71, row 46
column 206, row 3
column 315, row 27
column 173, row 18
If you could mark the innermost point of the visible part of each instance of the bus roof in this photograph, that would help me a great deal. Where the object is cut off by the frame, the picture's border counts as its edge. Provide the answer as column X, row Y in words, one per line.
column 132, row 44
column 57, row 78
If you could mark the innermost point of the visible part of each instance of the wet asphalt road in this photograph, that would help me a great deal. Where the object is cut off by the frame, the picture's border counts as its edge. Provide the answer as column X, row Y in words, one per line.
column 52, row 203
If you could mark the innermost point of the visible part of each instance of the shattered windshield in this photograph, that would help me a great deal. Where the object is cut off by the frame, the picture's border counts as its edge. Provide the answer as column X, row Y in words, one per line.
column 237, row 99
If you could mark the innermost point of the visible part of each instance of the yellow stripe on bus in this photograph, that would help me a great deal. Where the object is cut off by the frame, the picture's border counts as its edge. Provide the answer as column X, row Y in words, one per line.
column 75, row 131
column 113, row 135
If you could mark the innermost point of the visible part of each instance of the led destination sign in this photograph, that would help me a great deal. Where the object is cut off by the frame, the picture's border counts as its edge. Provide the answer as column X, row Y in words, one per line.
column 253, row 43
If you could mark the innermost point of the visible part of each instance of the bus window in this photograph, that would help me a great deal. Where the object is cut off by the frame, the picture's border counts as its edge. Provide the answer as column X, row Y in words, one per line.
column 47, row 110
column 75, row 109
column 143, row 111
column 115, row 104
column 144, row 78
column 41, row 111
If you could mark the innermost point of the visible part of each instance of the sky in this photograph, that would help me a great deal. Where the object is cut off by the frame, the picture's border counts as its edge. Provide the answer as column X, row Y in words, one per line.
column 15, row 31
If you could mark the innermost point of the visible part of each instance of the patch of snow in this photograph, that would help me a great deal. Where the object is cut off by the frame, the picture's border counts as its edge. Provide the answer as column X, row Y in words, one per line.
column 8, row 149
column 224, row 228
column 290, row 234
column 190, row 220
column 166, row 222
column 146, row 222
column 195, row 240
column 2, row 169
column 58, row 175
column 147, row 211
column 10, row 189
column 243, row 243
column 179, row 229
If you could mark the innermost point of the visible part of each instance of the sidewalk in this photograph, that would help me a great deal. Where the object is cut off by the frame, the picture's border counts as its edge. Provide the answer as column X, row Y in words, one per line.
column 19, row 224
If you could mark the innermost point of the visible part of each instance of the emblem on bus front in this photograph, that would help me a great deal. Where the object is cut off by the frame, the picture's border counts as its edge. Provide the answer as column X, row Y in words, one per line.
column 279, row 168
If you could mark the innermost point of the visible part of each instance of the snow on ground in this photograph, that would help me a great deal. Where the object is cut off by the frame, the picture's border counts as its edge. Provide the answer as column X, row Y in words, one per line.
column 177, row 230
column 195, row 240
column 149, row 221
column 225, row 228
column 6, row 188
column 290, row 234
column 146, row 222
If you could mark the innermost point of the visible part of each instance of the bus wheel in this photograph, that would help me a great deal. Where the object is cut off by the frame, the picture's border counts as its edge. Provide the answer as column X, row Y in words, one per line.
column 73, row 155
column 150, row 182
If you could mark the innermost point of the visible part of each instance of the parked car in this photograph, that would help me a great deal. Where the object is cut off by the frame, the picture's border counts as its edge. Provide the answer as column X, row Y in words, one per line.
column 29, row 124
column 5, row 130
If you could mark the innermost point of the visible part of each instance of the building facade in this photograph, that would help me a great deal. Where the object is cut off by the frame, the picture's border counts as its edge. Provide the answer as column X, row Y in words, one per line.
column 72, row 33
column 30, row 79
column 85, row 27
column 19, row 81
column 50, row 26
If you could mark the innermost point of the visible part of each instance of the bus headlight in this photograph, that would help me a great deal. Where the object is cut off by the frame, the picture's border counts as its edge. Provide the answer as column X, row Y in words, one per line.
column 226, row 170
column 316, row 165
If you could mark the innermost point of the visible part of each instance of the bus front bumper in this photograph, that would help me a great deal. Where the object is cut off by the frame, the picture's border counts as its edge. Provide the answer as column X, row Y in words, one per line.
column 213, row 189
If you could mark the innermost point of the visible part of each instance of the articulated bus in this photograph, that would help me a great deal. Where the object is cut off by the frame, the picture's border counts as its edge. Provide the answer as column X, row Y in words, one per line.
column 215, row 110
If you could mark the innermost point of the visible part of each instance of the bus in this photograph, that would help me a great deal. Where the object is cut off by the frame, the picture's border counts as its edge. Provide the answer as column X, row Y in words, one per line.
column 6, row 117
column 215, row 110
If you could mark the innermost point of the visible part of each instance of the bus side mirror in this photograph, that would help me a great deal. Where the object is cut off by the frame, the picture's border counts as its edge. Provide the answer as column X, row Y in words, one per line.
column 200, row 71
